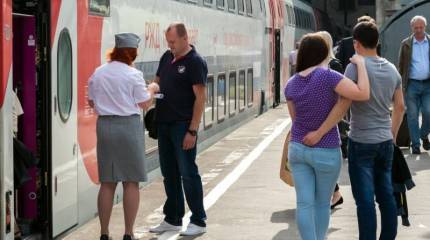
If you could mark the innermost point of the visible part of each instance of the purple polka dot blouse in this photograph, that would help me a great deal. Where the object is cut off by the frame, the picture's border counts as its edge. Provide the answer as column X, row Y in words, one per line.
column 313, row 97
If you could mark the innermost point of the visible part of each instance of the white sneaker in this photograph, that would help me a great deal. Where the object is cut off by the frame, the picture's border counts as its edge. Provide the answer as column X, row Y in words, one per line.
column 165, row 227
column 193, row 230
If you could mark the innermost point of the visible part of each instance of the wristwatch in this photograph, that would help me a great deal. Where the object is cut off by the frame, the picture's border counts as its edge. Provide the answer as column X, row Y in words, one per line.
column 192, row 132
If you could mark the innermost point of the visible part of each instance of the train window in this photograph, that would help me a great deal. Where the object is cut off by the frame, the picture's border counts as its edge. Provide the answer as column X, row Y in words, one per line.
column 231, row 5
column 209, row 104
column 302, row 19
column 305, row 23
column 221, row 98
column 208, row 2
column 232, row 93
column 293, row 16
column 220, row 4
column 306, row 16
column 248, row 7
column 289, row 14
column 193, row 1
column 313, row 23
column 240, row 6
column 263, row 7
column 242, row 99
column 296, row 17
column 250, row 86
column 99, row 7
column 64, row 75
column 308, row 23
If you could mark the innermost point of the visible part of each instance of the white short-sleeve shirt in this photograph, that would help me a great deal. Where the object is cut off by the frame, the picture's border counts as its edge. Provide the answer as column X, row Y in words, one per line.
column 16, row 111
column 116, row 89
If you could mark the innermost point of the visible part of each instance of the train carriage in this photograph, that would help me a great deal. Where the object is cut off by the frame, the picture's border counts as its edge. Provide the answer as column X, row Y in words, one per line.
column 49, row 49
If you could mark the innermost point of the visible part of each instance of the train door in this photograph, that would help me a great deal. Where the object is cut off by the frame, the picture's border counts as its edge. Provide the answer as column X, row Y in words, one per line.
column 6, row 165
column 30, row 141
column 277, row 70
column 64, row 148
column 26, row 151
column 276, row 11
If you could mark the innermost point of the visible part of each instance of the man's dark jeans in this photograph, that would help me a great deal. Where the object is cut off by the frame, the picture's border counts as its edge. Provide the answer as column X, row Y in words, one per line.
column 370, row 173
column 178, row 168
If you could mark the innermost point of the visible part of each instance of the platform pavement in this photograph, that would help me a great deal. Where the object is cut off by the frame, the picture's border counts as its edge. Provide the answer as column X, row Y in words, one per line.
column 258, row 205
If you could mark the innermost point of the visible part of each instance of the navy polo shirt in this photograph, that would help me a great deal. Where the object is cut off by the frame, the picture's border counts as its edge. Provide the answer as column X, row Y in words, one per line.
column 176, row 84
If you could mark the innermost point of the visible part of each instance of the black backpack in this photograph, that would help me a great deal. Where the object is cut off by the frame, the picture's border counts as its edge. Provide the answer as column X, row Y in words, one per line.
column 151, row 124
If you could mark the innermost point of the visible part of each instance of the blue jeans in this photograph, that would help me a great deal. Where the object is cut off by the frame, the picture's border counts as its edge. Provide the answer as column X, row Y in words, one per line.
column 418, row 98
column 315, row 172
column 370, row 173
column 179, row 168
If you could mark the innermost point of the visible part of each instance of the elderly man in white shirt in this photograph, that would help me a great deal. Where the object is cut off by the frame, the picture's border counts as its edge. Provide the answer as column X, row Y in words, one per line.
column 414, row 67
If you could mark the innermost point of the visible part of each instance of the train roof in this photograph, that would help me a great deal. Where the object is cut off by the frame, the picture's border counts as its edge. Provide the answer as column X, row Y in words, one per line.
column 400, row 13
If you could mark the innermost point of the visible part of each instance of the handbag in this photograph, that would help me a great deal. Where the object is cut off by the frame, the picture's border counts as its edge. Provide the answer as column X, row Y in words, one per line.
column 151, row 124
column 285, row 171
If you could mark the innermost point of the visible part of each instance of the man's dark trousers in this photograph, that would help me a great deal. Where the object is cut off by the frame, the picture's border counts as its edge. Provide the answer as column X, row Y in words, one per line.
column 370, row 174
column 179, row 168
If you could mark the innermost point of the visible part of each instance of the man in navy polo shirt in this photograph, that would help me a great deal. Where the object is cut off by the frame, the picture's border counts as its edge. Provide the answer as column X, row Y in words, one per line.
column 182, row 76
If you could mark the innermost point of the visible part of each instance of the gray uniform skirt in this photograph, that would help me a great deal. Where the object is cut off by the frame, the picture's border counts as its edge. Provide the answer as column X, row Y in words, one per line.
column 120, row 149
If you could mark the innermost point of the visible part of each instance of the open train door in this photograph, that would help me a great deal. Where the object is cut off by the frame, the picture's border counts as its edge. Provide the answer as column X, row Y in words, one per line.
column 277, row 72
column 64, row 148
column 276, row 23
column 6, row 145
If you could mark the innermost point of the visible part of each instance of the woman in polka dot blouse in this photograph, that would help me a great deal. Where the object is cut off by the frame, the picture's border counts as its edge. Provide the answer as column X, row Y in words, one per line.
column 315, row 158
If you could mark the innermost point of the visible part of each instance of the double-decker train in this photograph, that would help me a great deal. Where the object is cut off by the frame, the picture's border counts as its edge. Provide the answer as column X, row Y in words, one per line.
column 48, row 50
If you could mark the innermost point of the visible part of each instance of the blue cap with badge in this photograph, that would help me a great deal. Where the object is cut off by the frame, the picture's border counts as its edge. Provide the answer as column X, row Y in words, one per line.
column 126, row 40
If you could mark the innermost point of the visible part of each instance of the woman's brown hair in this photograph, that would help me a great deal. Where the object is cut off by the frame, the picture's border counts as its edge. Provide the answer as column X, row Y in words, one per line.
column 124, row 55
column 312, row 51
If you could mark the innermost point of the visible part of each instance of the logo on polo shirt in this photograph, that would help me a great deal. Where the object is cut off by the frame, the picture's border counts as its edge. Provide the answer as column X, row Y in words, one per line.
column 181, row 69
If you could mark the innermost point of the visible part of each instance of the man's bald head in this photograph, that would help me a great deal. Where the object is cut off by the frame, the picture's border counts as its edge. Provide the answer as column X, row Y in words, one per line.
column 180, row 28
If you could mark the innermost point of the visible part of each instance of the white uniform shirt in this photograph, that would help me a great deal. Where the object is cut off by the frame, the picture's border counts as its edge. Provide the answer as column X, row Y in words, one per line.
column 116, row 89
column 292, row 57
column 16, row 112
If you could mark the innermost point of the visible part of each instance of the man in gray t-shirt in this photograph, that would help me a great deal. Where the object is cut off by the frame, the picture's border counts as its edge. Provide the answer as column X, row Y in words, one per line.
column 370, row 120
column 373, row 131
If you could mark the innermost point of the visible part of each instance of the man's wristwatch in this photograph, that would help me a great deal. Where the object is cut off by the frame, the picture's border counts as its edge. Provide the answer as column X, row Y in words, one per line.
column 192, row 132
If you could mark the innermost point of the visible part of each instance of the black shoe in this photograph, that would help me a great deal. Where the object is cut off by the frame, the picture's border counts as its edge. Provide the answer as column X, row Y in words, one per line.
column 405, row 222
column 104, row 237
column 426, row 143
column 416, row 150
column 127, row 237
column 340, row 201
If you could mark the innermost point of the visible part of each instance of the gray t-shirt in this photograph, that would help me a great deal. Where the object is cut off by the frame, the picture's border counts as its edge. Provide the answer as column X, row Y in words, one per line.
column 371, row 120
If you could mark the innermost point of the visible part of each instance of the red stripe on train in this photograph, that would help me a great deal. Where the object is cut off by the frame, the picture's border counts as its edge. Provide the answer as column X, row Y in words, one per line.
column 89, row 52
column 55, row 12
column 5, row 46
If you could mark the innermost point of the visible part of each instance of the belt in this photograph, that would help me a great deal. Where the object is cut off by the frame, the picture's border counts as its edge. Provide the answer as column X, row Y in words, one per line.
column 117, row 116
column 417, row 80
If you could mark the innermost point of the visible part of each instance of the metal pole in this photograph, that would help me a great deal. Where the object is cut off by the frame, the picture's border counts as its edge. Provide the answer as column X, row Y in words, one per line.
column 379, row 12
